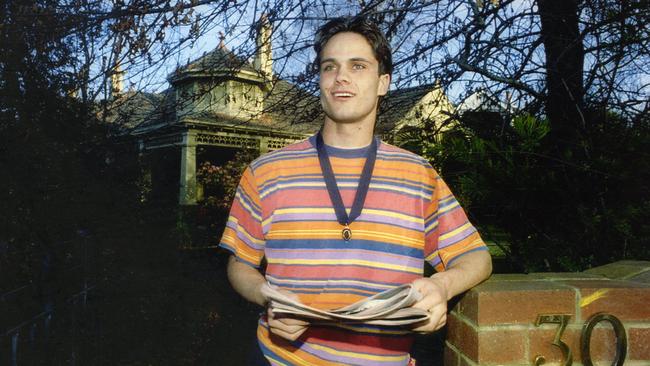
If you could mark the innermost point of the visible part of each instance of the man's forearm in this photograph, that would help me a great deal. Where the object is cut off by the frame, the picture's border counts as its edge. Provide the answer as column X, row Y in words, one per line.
column 466, row 272
column 246, row 280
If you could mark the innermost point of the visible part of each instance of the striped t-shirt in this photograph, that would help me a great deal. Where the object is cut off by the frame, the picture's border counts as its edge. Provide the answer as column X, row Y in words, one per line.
column 282, row 211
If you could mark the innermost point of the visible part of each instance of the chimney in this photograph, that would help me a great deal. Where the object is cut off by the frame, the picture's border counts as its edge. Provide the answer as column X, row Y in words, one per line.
column 264, row 55
column 117, row 81
column 222, row 41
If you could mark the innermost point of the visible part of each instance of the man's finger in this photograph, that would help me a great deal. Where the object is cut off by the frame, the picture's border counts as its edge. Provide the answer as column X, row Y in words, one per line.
column 286, row 327
column 287, row 319
column 292, row 321
column 291, row 336
column 437, row 319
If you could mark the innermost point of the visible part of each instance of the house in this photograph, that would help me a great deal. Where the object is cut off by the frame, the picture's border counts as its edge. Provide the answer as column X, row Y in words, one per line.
column 221, row 103
column 423, row 109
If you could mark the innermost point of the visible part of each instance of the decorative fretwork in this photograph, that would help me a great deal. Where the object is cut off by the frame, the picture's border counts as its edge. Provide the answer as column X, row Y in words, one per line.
column 163, row 141
column 228, row 140
column 274, row 144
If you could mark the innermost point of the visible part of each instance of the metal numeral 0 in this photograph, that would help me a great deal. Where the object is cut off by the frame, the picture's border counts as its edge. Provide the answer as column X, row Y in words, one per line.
column 562, row 320
column 619, row 331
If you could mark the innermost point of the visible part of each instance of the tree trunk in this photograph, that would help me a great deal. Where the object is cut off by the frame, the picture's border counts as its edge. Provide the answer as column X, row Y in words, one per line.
column 564, row 66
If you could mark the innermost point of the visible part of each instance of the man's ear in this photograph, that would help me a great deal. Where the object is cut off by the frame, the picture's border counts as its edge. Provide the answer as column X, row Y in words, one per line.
column 384, row 83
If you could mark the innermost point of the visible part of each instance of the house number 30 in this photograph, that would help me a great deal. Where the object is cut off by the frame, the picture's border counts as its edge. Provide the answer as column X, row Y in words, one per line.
column 585, row 339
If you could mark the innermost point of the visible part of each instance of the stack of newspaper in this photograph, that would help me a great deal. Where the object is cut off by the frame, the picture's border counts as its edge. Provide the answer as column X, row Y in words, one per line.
column 391, row 307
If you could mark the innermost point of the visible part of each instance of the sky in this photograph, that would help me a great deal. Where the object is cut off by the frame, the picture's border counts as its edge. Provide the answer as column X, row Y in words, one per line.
column 235, row 26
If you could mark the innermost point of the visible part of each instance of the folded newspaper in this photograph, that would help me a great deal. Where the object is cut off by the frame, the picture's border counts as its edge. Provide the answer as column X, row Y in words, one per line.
column 391, row 307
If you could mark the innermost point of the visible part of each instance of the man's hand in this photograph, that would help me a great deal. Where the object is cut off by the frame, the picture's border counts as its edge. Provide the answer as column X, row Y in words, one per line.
column 434, row 301
column 466, row 272
column 286, row 326
column 248, row 281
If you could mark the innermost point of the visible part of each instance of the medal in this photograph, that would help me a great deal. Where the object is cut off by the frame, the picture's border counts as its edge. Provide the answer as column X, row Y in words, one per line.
column 346, row 233
column 333, row 189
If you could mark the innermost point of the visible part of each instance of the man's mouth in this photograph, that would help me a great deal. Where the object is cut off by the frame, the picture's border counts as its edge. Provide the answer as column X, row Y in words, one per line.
column 343, row 94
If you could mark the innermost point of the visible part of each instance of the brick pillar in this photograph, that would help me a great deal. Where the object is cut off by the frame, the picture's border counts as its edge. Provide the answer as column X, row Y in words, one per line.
column 495, row 323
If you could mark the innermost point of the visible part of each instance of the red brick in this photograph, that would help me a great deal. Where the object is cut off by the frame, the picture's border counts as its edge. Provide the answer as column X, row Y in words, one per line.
column 462, row 336
column 639, row 344
column 541, row 340
column 602, row 344
column 451, row 357
column 468, row 306
column 516, row 302
column 628, row 301
column 502, row 346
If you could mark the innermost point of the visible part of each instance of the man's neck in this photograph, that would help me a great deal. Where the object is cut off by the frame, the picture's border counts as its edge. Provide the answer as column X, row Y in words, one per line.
column 347, row 136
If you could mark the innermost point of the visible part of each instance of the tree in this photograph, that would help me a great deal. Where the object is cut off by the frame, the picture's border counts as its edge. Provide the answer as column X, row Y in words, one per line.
column 61, row 172
column 555, row 60
column 506, row 181
column 564, row 66
column 569, row 65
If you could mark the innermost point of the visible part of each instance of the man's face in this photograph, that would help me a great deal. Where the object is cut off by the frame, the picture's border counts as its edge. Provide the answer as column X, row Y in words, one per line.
column 350, row 83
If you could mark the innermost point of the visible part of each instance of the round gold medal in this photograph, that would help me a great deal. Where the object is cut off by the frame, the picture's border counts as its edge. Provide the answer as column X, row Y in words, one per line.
column 346, row 233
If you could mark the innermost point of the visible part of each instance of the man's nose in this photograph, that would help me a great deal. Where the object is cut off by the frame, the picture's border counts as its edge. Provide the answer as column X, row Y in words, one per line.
column 342, row 75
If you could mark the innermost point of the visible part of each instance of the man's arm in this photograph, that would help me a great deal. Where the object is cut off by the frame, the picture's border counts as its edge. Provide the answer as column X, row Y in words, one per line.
column 247, row 281
column 464, row 273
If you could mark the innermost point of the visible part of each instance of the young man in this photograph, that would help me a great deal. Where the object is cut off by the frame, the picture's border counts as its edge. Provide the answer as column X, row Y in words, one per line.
column 342, row 216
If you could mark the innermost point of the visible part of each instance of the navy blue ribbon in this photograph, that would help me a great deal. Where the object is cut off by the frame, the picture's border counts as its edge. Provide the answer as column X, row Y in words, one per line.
column 333, row 189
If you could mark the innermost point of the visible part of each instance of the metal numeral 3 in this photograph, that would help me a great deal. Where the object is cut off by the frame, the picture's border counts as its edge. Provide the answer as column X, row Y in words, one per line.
column 562, row 320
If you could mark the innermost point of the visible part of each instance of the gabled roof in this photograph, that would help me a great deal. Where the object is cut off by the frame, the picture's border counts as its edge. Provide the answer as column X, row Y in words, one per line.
column 287, row 108
column 161, row 115
column 397, row 104
column 218, row 62
column 292, row 106
column 133, row 109
column 482, row 100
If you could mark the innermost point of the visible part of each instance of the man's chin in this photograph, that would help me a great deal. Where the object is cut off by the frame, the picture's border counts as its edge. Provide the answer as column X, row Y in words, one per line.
column 344, row 119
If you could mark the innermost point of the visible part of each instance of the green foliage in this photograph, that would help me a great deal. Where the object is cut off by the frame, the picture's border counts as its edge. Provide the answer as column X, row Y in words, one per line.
column 560, row 209
column 62, row 174
column 530, row 130
column 219, row 188
column 220, row 182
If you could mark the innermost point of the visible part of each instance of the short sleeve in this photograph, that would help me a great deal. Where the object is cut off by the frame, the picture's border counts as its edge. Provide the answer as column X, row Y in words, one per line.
column 448, row 232
column 243, row 234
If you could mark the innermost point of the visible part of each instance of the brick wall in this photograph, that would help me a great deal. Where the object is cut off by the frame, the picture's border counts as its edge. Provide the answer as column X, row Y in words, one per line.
column 499, row 323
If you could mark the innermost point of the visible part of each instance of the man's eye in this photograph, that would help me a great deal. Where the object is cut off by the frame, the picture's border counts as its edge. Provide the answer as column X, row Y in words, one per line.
column 328, row 67
column 358, row 66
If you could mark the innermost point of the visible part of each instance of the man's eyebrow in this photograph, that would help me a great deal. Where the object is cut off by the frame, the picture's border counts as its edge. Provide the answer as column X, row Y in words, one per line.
column 354, row 59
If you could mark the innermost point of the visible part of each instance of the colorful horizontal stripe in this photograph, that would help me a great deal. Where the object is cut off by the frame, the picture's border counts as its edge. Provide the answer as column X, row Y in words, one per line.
column 282, row 212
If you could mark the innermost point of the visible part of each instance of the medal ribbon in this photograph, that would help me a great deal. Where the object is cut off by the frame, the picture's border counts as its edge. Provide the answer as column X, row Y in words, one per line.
column 333, row 189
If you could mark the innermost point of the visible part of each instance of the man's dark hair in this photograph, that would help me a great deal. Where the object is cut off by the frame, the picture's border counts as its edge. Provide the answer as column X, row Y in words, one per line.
column 360, row 25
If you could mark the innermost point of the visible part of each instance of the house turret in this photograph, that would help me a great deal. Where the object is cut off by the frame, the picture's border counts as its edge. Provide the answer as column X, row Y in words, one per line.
column 263, row 61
